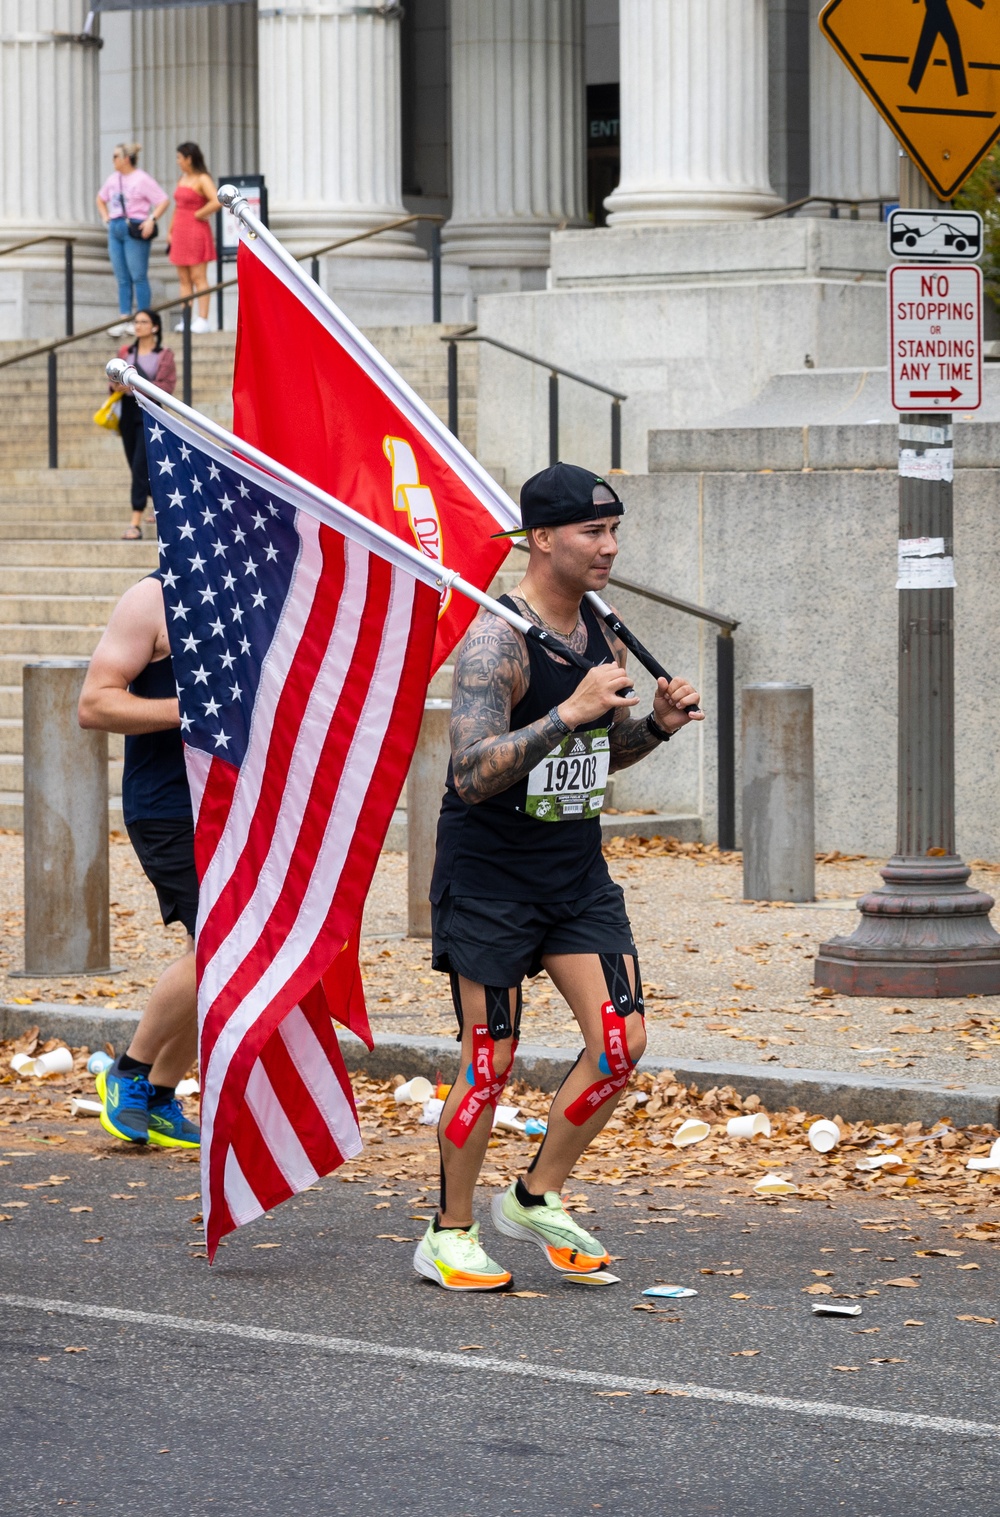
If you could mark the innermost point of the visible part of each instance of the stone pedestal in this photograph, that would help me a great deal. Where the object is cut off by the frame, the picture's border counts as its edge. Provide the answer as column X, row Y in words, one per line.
column 853, row 155
column 517, row 129
column 779, row 848
column 693, row 112
column 424, row 789
column 49, row 170
column 330, row 124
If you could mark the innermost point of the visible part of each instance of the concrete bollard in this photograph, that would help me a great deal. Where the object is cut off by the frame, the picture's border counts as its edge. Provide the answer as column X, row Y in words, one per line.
column 424, row 789
column 779, row 849
column 66, row 872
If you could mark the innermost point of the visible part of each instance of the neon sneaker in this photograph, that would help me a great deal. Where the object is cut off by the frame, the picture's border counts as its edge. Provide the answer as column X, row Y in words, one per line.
column 458, row 1261
column 170, row 1128
column 125, row 1104
column 566, row 1246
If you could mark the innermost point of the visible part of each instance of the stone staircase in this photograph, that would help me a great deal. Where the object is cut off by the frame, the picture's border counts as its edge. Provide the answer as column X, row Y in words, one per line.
column 62, row 563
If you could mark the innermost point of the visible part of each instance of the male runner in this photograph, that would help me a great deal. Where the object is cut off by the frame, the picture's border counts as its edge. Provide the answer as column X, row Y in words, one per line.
column 130, row 688
column 520, row 882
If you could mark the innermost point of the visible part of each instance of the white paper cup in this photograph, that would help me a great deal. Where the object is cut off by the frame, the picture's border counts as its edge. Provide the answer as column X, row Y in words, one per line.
column 756, row 1124
column 22, row 1063
column 414, row 1092
column 823, row 1136
column 984, row 1164
column 80, row 1107
column 774, row 1185
column 691, row 1131
column 58, row 1061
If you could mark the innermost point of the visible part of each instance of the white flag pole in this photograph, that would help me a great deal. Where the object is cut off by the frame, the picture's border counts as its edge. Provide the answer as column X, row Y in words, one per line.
column 332, row 512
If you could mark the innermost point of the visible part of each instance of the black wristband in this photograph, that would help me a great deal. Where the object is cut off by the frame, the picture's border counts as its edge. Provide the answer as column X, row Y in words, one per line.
column 557, row 720
column 655, row 730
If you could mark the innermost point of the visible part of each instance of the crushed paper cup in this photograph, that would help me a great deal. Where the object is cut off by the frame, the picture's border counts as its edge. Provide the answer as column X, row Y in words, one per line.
column 836, row 1309
column 536, row 1127
column 413, row 1092
column 187, row 1088
column 431, row 1114
column 506, row 1117
column 671, row 1292
column 58, row 1061
column 755, row 1125
column 774, row 1185
column 984, row 1164
column 80, row 1107
column 22, row 1063
column 691, row 1131
column 881, row 1161
column 99, row 1061
column 823, row 1136
column 599, row 1277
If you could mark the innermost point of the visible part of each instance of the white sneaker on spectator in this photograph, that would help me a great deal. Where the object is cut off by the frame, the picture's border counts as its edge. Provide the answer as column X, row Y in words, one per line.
column 200, row 324
column 122, row 329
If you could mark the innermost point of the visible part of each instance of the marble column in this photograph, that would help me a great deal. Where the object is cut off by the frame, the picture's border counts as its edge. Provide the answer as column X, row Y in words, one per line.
column 693, row 112
column 48, row 121
column 194, row 79
column 852, row 153
column 330, row 123
column 518, row 132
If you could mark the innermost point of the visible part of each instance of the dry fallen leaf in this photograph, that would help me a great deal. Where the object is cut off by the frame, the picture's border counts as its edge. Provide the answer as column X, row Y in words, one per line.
column 528, row 1295
column 745, row 1353
column 612, row 1393
column 468, row 1348
column 817, row 1290
column 905, row 1282
column 847, row 1369
column 393, row 1238
column 987, row 1321
column 824, row 1274
column 913, row 1322
column 75, row 1349
column 266, row 1245
column 967, row 1266
column 81, row 1208
column 194, row 1196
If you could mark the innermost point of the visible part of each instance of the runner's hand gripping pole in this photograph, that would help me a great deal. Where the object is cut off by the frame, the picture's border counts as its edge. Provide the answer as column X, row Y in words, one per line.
column 612, row 620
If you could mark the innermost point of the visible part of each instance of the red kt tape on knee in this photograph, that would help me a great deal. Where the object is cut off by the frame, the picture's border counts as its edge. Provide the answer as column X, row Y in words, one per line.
column 486, row 1088
column 620, row 1066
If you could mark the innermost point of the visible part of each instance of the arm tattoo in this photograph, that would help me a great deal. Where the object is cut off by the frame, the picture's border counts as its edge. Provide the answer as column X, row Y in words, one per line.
column 491, row 675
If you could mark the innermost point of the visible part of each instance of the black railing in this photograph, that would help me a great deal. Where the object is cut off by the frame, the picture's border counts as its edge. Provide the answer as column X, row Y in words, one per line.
column 67, row 242
column 186, row 302
column 555, row 371
column 725, row 693
column 834, row 202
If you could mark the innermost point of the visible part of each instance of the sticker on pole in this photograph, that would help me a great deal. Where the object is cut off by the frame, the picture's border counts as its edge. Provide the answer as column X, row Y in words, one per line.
column 935, row 337
column 923, row 564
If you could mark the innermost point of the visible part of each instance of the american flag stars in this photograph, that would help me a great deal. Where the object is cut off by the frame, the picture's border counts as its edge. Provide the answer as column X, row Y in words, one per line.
column 227, row 557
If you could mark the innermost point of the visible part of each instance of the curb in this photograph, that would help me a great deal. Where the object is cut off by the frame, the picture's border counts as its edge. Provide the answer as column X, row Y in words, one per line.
column 823, row 1092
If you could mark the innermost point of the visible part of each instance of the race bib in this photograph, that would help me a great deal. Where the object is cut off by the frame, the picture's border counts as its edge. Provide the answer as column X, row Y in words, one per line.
column 569, row 783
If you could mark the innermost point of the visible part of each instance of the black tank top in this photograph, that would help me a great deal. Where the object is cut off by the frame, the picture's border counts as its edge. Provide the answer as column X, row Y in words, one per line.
column 495, row 850
column 154, row 780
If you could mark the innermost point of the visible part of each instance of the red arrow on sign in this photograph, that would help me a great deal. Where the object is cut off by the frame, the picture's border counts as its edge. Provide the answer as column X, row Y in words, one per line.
column 951, row 394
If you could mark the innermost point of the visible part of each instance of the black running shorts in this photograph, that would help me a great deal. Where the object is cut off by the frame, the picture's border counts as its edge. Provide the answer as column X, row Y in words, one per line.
column 499, row 942
column 165, row 849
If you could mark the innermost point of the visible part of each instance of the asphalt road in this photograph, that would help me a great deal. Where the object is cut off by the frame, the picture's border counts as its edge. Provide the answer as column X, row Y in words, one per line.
column 321, row 1378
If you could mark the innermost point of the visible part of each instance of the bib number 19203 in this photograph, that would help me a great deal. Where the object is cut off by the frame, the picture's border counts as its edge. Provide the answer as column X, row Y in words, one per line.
column 568, row 784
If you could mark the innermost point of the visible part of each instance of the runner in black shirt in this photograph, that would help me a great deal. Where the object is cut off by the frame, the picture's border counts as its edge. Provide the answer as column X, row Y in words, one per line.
column 520, row 881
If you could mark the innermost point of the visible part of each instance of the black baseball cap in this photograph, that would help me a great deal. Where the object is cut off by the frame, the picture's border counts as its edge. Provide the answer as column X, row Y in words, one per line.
column 561, row 495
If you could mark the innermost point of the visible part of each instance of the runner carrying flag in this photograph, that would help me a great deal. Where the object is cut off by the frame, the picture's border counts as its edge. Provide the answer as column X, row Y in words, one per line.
column 521, row 884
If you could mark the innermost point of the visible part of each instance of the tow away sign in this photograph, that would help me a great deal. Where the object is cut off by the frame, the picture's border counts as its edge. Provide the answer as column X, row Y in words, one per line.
column 935, row 337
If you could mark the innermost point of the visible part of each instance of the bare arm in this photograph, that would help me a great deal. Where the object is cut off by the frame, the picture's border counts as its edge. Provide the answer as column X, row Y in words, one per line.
column 206, row 185
column 133, row 638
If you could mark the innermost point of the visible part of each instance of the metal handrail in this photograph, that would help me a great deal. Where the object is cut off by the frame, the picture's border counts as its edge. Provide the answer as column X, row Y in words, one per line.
column 555, row 370
column 833, row 201
column 725, row 694
column 18, row 247
column 50, row 349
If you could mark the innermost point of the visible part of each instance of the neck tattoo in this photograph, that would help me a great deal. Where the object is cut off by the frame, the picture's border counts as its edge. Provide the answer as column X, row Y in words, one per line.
column 559, row 631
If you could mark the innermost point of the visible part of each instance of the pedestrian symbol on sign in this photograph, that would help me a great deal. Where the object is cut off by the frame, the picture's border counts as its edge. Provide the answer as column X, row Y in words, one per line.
column 939, row 22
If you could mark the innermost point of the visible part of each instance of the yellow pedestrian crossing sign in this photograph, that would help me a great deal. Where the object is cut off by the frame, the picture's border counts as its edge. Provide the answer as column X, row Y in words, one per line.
column 931, row 68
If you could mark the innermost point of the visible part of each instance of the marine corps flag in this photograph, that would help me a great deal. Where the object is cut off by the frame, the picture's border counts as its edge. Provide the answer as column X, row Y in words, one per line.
column 311, row 391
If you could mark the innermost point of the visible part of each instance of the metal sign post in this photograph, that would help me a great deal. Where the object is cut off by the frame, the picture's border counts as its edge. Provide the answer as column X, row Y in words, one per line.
column 227, row 233
column 925, row 932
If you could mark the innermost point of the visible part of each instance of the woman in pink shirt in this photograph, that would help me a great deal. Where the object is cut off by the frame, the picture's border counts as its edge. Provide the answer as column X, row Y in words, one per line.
column 130, row 203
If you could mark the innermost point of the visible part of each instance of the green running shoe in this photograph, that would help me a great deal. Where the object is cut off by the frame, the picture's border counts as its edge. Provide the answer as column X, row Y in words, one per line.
column 458, row 1261
column 565, row 1244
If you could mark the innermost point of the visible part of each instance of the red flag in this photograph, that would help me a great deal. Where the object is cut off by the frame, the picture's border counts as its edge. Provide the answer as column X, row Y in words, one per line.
column 311, row 391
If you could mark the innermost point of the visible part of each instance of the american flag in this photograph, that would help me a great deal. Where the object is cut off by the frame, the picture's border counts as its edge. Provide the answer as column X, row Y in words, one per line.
column 302, row 661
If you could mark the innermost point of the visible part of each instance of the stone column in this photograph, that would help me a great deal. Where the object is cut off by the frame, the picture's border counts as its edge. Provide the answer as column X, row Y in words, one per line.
column 518, row 132
column 852, row 153
column 330, row 123
column 49, row 172
column 195, row 80
column 693, row 112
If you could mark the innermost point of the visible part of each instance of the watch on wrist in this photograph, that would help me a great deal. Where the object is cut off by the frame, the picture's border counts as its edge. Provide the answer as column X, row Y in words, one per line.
column 557, row 721
column 655, row 730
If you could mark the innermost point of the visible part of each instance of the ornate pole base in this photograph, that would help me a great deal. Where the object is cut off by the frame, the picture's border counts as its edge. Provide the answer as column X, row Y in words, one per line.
column 924, row 933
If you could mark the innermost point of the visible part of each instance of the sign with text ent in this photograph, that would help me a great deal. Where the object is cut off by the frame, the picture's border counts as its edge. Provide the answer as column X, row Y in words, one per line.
column 935, row 337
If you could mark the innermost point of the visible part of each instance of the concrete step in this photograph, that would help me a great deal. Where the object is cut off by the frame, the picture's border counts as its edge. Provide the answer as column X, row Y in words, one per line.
column 11, row 737
column 12, row 811
column 62, row 581
column 109, row 554
column 110, row 511
column 25, row 641
column 77, row 610
column 66, row 531
column 10, row 701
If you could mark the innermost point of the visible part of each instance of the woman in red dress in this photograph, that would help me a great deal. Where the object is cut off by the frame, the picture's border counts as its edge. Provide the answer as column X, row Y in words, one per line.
column 191, row 243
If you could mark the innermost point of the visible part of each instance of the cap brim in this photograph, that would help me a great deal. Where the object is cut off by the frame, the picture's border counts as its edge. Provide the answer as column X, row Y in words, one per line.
column 511, row 532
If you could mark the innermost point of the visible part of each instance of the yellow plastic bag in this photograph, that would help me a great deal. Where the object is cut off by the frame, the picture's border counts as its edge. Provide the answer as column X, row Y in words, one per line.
column 108, row 415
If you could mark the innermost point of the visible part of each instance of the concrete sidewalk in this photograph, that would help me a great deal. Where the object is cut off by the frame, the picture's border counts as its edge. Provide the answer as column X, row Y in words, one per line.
column 855, row 1097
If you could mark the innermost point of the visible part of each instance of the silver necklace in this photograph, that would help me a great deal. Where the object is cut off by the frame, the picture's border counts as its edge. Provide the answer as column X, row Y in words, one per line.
column 540, row 618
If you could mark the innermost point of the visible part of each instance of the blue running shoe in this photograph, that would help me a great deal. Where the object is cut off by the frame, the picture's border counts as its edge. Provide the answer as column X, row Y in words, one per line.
column 170, row 1128
column 125, row 1104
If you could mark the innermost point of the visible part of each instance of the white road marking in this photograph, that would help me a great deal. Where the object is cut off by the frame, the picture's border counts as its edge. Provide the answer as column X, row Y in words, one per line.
column 593, row 1379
